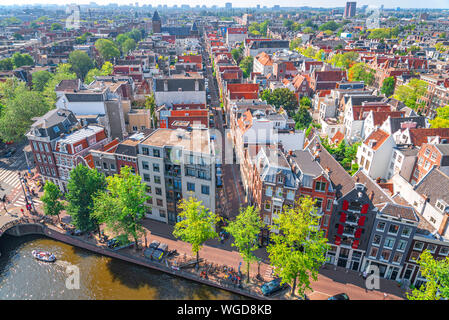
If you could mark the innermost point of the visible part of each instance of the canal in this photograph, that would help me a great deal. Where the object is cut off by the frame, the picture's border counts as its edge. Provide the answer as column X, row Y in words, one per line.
column 101, row 278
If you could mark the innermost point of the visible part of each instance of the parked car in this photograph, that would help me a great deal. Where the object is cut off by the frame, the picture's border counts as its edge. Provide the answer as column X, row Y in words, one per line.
column 340, row 296
column 158, row 253
column 269, row 288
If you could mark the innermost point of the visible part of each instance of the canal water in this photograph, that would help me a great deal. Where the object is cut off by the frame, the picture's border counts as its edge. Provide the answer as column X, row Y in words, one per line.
column 101, row 278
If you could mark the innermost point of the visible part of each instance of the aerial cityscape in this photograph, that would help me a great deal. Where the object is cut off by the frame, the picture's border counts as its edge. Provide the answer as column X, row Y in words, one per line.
column 224, row 151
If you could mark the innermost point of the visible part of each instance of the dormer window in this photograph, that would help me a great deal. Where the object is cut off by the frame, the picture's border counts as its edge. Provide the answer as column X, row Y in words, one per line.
column 441, row 205
column 280, row 179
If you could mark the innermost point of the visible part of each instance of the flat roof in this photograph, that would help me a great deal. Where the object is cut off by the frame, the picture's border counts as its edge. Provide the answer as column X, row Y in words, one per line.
column 196, row 141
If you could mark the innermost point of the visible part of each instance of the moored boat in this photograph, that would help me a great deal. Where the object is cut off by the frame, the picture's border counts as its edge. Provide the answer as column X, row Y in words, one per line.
column 43, row 256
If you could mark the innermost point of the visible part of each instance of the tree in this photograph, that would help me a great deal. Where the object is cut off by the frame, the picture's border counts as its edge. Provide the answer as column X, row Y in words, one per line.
column 305, row 102
column 106, row 70
column 17, row 36
column 302, row 118
column 345, row 60
column 388, row 86
column 150, row 104
column 62, row 73
column 81, row 63
column 410, row 93
column 436, row 272
column 40, row 79
column 107, row 49
column 299, row 247
column 295, row 43
column 122, row 206
column 360, row 72
column 247, row 66
column 442, row 118
column 196, row 224
column 245, row 230
column 331, row 25
column 6, row 64
column 56, row 26
column 83, row 185
column 281, row 97
column 22, row 60
column 128, row 45
column 51, row 200
column 20, row 105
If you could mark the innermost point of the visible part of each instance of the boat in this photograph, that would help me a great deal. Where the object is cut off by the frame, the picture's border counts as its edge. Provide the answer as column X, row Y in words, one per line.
column 43, row 256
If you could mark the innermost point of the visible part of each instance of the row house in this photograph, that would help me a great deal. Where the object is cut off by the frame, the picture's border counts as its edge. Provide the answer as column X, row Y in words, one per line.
column 263, row 64
column 411, row 135
column 271, row 46
column 176, row 89
column 183, row 116
column 241, row 92
column 44, row 134
column 429, row 156
column 437, row 93
column 326, row 79
column 71, row 150
column 236, row 35
column 392, row 231
column 177, row 164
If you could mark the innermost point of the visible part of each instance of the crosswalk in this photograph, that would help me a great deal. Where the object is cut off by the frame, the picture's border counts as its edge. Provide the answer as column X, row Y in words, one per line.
column 8, row 176
column 21, row 201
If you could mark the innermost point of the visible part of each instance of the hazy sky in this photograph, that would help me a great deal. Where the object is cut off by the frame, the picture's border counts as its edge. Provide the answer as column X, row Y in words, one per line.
column 441, row 4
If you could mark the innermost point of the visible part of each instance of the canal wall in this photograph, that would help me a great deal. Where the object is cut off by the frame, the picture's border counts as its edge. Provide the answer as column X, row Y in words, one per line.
column 54, row 234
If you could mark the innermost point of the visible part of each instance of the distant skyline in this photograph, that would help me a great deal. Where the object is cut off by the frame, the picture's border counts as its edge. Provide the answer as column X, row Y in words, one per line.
column 419, row 4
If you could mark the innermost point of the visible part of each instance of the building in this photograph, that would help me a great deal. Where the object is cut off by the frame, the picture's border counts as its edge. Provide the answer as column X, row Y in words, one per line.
column 179, row 89
column 177, row 164
column 350, row 9
column 157, row 23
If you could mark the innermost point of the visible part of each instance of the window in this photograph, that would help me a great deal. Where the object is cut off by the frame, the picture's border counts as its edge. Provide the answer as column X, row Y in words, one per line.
column 78, row 148
column 443, row 251
column 380, row 226
column 373, row 252
column 50, row 161
column 367, row 165
column 145, row 165
column 290, row 195
column 406, row 232
column 320, row 186
column 145, row 151
column 279, row 193
column 38, row 157
column 134, row 128
column 267, row 205
column 148, row 189
column 157, row 179
column 159, row 202
column 389, row 243
column 326, row 220
column 41, row 148
column 190, row 186
column 418, row 245
column 158, row 191
column 426, row 165
column 53, row 173
column 385, row 255
column 155, row 167
column 269, row 191
column 427, row 152
column 414, row 256
column 190, row 172
column 393, row 229
column 35, row 146
column 420, row 161
column 112, row 167
column 328, row 204
column 319, row 204
column 377, row 239
column 416, row 173
column 204, row 189
column 397, row 258
column 46, row 148
column 162, row 213
column 105, row 166
column 156, row 153
column 402, row 245
column 44, row 158
column 434, row 156
column 146, row 177
column 280, row 179
column 431, row 247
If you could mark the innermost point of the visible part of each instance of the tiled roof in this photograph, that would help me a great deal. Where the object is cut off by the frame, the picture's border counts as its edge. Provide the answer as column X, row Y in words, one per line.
column 378, row 137
column 264, row 59
column 399, row 211
column 373, row 190
column 434, row 185
column 420, row 135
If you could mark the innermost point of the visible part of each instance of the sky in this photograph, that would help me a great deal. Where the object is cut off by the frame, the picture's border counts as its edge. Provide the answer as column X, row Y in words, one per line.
column 439, row 4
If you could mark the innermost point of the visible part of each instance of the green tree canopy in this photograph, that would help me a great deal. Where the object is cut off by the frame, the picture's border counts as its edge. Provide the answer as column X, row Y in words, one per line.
column 281, row 97
column 360, row 72
column 20, row 105
column 298, row 248
column 302, row 118
column 51, row 199
column 436, row 272
column 388, row 86
column 331, row 25
column 56, row 26
column 122, row 206
column 128, row 45
column 63, row 72
column 83, row 186
column 106, row 70
column 19, row 60
column 196, row 224
column 410, row 93
column 345, row 60
column 40, row 79
column 247, row 66
column 442, row 118
column 107, row 49
column 81, row 63
column 245, row 230
column 6, row 64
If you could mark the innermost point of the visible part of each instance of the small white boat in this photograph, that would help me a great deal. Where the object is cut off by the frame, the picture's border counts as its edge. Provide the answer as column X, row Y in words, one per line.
column 43, row 256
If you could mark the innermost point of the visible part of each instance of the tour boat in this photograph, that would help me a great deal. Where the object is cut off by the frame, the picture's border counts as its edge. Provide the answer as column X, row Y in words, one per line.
column 43, row 256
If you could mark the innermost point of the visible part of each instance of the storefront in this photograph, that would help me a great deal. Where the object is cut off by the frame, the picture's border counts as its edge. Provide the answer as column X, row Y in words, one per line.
column 387, row 271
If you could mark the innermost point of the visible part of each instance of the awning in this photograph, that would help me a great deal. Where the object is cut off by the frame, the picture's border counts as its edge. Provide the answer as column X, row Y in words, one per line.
column 342, row 217
column 355, row 244
column 340, row 229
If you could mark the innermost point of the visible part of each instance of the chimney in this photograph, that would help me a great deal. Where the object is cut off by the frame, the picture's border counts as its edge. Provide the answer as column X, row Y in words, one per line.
column 444, row 223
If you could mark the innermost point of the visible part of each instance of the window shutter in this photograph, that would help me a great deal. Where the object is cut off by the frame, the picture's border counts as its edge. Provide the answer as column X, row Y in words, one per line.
column 345, row 205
